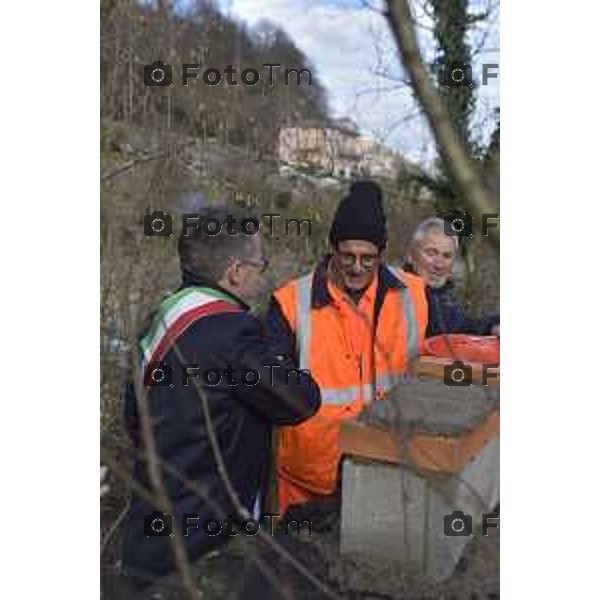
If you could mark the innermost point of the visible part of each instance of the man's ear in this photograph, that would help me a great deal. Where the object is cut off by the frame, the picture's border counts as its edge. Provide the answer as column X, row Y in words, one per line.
column 232, row 275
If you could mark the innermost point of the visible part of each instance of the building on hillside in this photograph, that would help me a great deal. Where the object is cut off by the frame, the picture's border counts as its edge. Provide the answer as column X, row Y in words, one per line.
column 337, row 150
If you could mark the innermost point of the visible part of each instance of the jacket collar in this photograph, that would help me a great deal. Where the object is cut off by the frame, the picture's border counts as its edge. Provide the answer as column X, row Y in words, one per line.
column 321, row 297
column 189, row 279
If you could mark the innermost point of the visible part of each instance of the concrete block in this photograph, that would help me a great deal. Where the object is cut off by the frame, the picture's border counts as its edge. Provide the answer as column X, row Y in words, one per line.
column 396, row 513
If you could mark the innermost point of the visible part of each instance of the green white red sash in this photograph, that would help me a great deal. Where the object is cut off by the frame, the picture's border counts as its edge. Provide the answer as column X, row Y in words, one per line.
column 175, row 315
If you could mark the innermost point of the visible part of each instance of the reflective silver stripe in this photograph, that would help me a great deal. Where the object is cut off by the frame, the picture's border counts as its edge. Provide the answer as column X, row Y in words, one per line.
column 303, row 320
column 341, row 395
column 388, row 381
column 410, row 316
column 350, row 394
column 384, row 383
column 368, row 392
column 345, row 395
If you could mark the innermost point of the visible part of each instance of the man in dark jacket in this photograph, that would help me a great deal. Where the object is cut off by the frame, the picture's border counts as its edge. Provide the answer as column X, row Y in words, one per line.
column 205, row 335
column 431, row 254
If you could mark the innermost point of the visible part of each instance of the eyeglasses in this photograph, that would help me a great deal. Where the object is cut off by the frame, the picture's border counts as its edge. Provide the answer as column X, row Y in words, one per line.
column 262, row 263
column 367, row 261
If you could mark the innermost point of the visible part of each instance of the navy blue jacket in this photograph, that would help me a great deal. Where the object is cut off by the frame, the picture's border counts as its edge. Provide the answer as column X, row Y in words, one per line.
column 242, row 418
column 446, row 314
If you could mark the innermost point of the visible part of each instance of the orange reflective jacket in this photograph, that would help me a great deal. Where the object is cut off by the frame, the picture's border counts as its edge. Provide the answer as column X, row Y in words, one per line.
column 335, row 341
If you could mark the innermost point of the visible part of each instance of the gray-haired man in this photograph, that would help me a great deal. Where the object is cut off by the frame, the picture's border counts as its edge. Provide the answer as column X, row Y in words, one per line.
column 431, row 254
column 203, row 335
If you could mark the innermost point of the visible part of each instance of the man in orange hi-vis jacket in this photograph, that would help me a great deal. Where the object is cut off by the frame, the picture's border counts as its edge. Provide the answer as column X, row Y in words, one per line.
column 355, row 324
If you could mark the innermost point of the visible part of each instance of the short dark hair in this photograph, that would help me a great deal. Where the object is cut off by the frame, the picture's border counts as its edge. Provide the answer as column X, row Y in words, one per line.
column 201, row 253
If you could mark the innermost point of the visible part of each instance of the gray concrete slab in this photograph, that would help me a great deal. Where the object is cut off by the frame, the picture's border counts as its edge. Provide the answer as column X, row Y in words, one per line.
column 429, row 406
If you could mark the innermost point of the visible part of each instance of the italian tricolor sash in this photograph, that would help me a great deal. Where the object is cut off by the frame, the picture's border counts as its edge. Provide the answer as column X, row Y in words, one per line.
column 175, row 315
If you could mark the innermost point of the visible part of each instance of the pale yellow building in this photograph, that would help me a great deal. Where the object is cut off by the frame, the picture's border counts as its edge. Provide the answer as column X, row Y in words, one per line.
column 337, row 150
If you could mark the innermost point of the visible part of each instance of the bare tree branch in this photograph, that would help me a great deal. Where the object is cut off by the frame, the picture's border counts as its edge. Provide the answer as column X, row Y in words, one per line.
column 239, row 507
column 113, row 528
column 461, row 168
column 147, row 495
column 154, row 471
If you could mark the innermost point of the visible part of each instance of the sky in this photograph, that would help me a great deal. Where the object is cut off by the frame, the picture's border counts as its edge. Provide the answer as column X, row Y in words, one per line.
column 353, row 53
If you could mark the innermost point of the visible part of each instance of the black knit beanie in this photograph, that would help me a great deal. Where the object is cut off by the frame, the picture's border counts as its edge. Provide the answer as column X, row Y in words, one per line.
column 360, row 216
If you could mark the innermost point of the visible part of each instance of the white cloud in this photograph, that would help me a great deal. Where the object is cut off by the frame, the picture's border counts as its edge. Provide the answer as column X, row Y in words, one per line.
column 349, row 44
